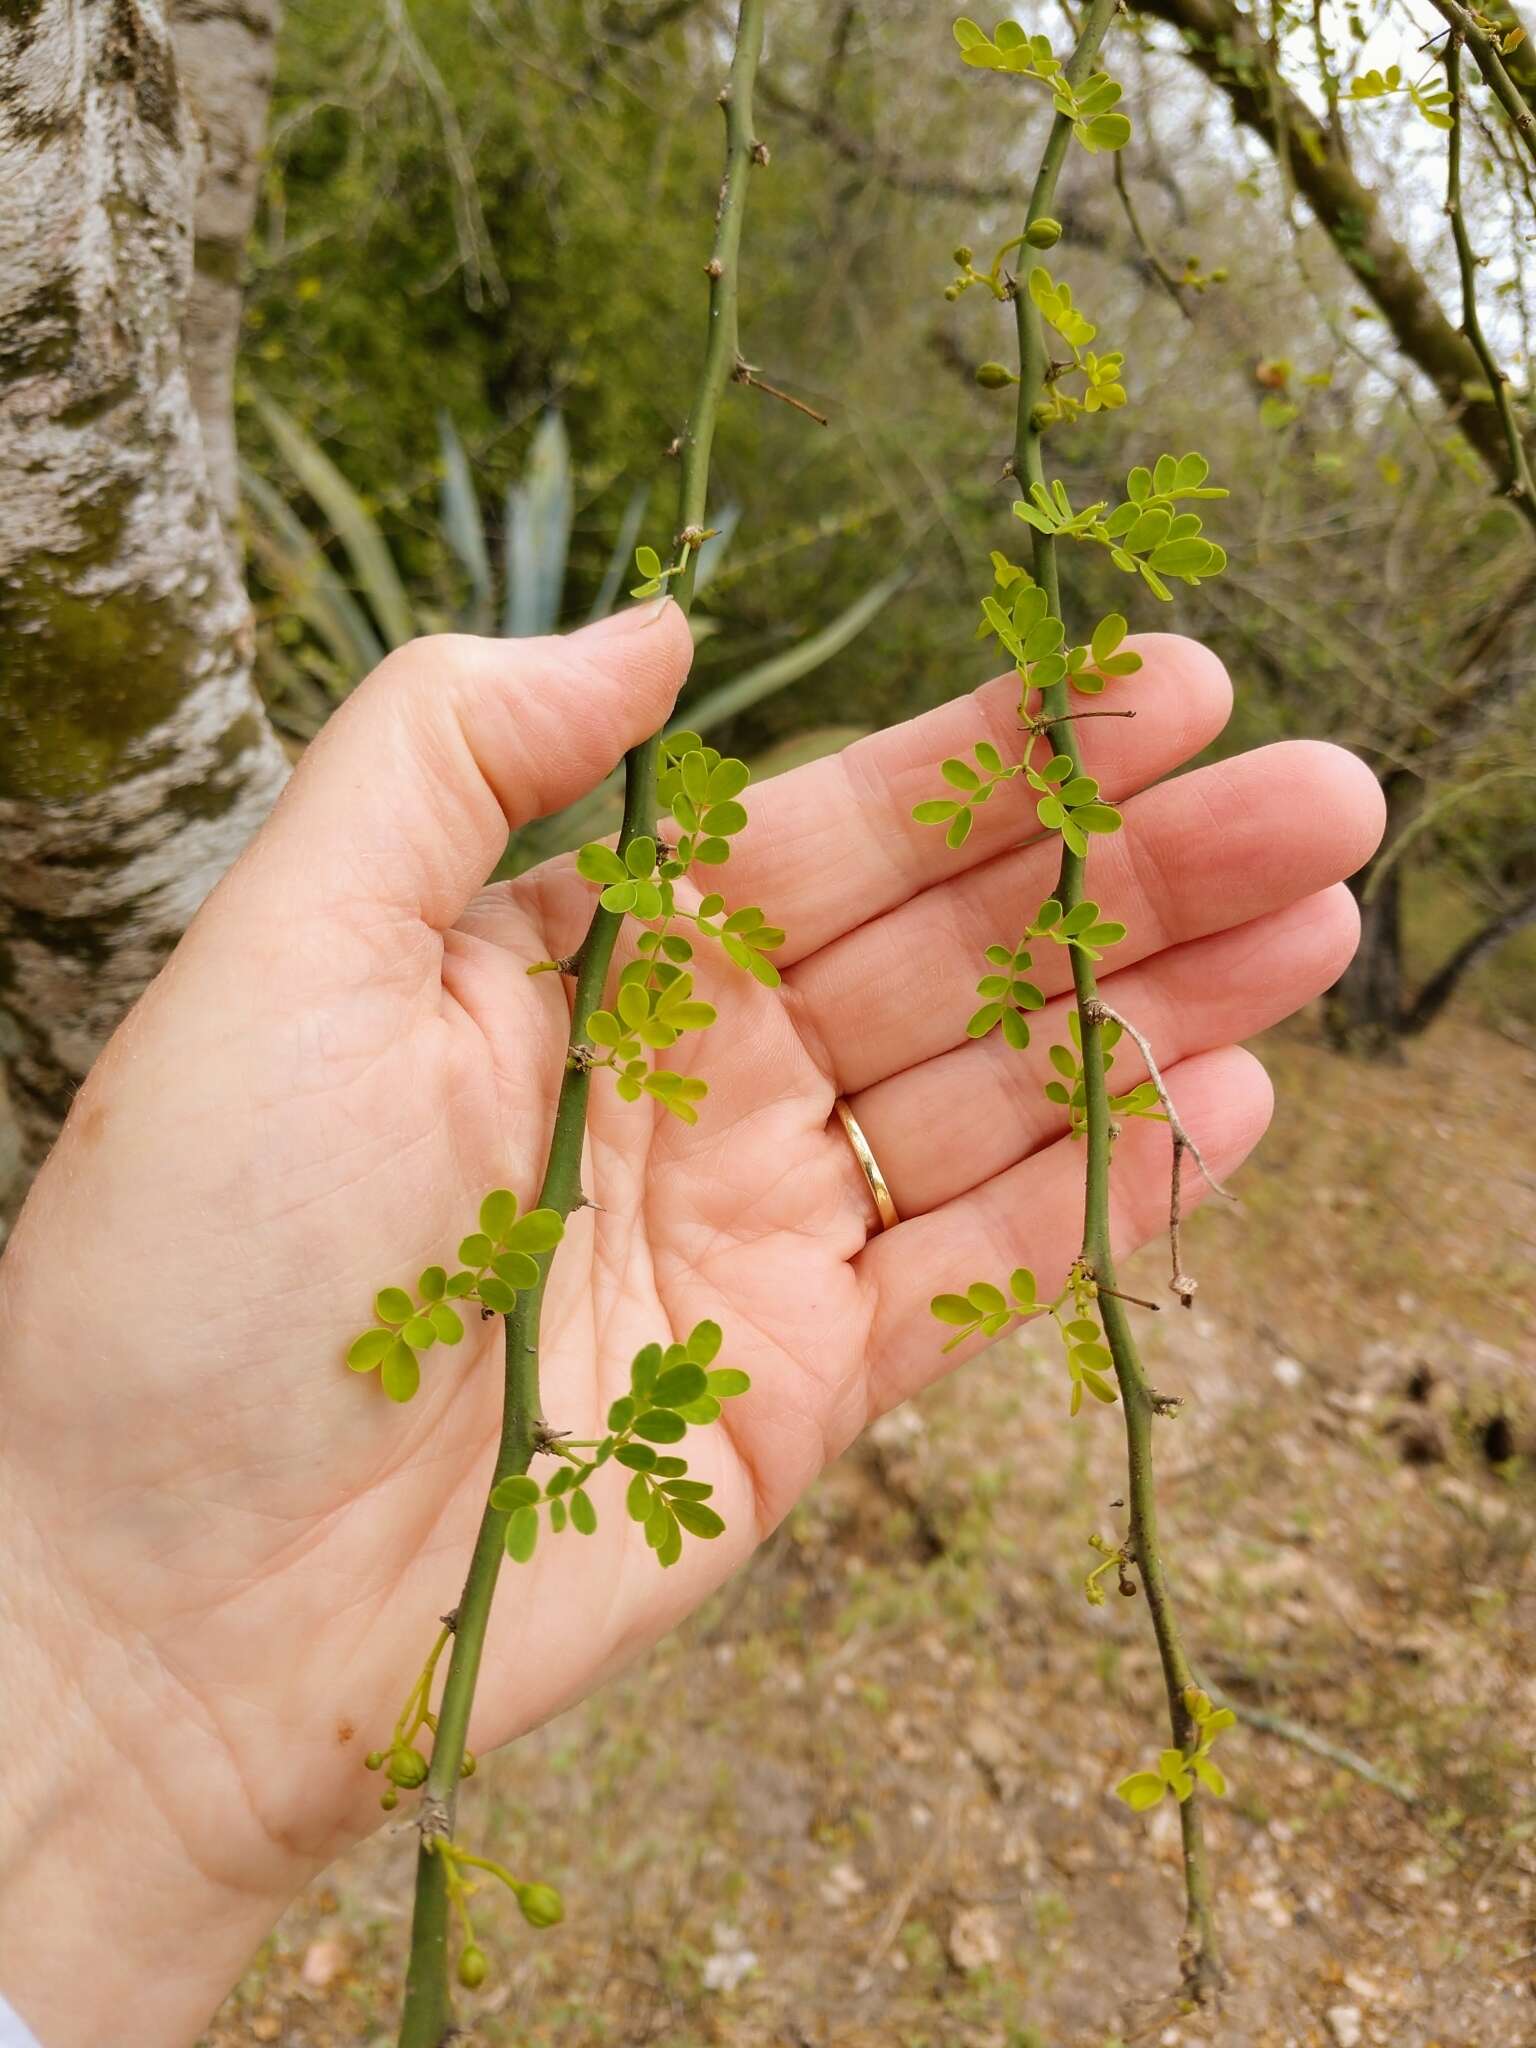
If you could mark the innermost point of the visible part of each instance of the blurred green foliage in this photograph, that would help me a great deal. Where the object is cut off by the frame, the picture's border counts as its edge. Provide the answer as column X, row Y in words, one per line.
column 493, row 207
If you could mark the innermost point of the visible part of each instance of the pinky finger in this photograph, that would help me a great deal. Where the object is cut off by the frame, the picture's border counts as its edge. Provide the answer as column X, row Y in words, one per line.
column 1031, row 1215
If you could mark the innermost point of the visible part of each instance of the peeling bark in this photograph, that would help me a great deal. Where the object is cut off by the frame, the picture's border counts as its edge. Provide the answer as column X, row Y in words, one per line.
column 135, row 756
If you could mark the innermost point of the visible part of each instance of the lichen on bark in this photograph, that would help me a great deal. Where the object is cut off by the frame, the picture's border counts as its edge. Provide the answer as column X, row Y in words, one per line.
column 135, row 757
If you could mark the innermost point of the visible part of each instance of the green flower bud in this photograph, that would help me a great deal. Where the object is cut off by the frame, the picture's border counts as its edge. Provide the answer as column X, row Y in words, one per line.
column 374, row 1760
column 389, row 1799
column 1219, row 276
column 1041, row 416
column 963, row 255
column 472, row 1966
column 540, row 1904
column 951, row 292
column 1043, row 233
column 993, row 377
column 407, row 1767
column 467, row 1767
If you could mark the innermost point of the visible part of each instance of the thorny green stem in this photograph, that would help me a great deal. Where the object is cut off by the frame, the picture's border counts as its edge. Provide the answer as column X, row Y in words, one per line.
column 428, row 2015
column 1471, row 325
column 1486, row 56
column 1200, row 1955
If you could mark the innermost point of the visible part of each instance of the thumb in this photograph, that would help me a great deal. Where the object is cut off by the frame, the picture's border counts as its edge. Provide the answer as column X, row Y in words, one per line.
column 403, row 803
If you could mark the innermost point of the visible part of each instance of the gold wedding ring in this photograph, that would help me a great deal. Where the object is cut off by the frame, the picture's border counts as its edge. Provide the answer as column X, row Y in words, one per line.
column 885, row 1207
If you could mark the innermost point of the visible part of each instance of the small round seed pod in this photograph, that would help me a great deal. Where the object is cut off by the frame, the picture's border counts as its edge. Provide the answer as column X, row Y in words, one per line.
column 407, row 1767
column 540, row 1905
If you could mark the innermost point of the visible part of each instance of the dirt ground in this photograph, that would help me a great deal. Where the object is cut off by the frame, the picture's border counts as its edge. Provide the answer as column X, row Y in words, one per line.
column 866, row 1797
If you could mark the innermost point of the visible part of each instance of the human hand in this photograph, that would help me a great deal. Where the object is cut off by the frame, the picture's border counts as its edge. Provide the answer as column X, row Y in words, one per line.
column 226, row 1553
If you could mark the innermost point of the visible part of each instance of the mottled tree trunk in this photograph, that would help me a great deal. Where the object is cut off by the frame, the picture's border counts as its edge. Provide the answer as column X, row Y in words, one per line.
column 135, row 756
column 226, row 51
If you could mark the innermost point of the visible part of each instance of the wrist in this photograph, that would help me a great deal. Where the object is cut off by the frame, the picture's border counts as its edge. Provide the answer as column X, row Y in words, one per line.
column 109, row 1901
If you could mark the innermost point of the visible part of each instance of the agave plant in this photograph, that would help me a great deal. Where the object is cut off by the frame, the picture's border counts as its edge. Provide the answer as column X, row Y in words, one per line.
column 354, row 620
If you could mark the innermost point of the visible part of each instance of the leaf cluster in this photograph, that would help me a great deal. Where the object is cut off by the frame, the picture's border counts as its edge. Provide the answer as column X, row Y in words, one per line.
column 671, row 1389
column 1431, row 100
column 655, row 1003
column 1070, row 803
column 1177, row 1769
column 1029, row 632
column 700, row 787
column 986, row 1311
column 1103, row 390
column 654, row 1006
column 499, row 1261
column 1070, row 1089
column 1145, row 536
column 1090, row 108
column 1006, row 996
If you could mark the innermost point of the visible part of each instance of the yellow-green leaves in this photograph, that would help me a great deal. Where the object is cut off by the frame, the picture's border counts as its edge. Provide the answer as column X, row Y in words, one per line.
column 974, row 785
column 1177, row 1769
column 1102, row 388
column 654, row 1006
column 653, row 576
column 1011, row 48
column 499, row 1262
column 1070, row 803
column 1144, row 534
column 1089, row 1364
column 1070, row 1090
column 1102, row 660
column 627, row 883
column 1006, row 997
column 745, row 937
column 984, row 1310
column 700, row 786
column 1056, row 308
column 1095, row 124
column 1081, row 926
column 1431, row 99
column 672, row 1389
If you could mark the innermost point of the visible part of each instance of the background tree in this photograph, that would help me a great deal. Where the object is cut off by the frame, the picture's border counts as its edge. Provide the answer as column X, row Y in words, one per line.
column 135, row 757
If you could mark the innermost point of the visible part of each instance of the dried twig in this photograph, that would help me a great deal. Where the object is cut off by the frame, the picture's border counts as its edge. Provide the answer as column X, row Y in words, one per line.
column 1183, row 1286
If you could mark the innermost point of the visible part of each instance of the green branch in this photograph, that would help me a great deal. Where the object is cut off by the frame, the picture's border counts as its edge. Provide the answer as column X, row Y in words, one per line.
column 1520, row 486
column 427, row 2019
column 1200, row 1955
column 1489, row 60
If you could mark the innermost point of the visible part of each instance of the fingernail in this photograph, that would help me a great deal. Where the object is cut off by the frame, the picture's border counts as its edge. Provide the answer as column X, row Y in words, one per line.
column 626, row 621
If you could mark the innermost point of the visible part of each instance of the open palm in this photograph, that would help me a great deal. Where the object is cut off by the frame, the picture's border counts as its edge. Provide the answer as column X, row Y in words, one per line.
column 246, row 1546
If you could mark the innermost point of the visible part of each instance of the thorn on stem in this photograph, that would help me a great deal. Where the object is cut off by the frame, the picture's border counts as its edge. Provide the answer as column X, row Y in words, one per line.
column 1118, row 1294
column 746, row 373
